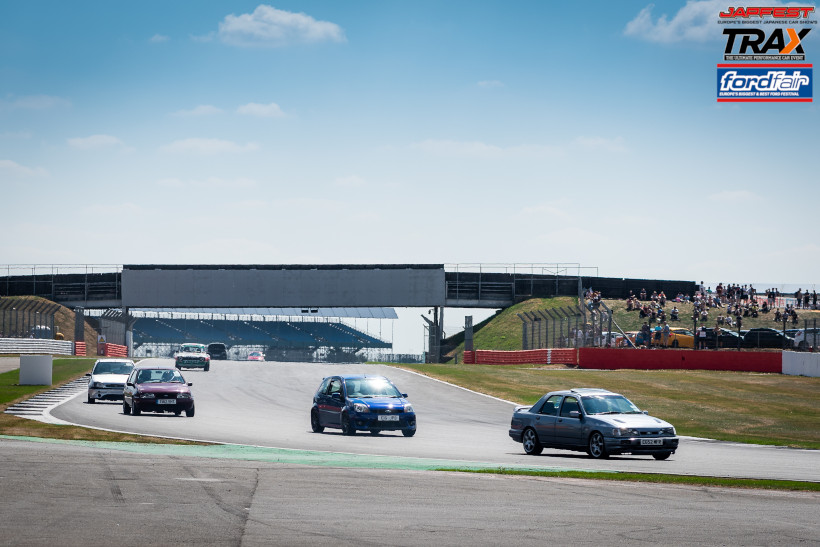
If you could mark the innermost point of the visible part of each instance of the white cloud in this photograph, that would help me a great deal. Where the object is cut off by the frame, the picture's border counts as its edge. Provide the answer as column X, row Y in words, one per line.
column 14, row 169
column 352, row 181
column 95, row 142
column 560, row 209
column 201, row 110
column 209, row 183
column 158, row 39
column 271, row 110
column 208, row 146
column 271, row 27
column 696, row 21
column 483, row 150
column 730, row 197
column 490, row 83
column 38, row 102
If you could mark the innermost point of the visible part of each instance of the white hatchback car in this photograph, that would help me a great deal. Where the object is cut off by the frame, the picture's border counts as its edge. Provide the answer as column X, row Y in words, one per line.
column 108, row 379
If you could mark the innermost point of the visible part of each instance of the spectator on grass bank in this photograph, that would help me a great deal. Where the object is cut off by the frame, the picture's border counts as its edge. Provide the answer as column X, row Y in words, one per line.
column 646, row 334
column 717, row 337
column 673, row 315
column 702, row 337
column 665, row 334
column 643, row 295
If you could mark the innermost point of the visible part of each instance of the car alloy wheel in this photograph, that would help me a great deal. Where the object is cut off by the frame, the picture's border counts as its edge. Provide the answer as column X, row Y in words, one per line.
column 190, row 412
column 596, row 447
column 135, row 410
column 125, row 408
column 91, row 400
column 347, row 427
column 408, row 432
column 315, row 425
column 530, row 442
column 662, row 455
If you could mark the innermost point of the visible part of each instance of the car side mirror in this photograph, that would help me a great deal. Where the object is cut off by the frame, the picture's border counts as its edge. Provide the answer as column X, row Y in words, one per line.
column 645, row 412
column 130, row 384
column 88, row 374
column 575, row 414
column 404, row 395
column 336, row 396
column 190, row 384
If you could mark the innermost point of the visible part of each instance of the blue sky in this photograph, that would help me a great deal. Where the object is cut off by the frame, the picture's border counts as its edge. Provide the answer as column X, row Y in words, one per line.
column 371, row 131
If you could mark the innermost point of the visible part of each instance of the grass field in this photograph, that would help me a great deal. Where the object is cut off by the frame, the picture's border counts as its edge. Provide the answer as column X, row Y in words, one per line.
column 743, row 407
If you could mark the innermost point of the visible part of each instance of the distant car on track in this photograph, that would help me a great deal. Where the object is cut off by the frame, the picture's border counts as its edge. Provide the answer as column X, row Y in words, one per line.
column 193, row 356
column 218, row 351
column 597, row 421
column 107, row 379
column 157, row 388
column 361, row 403
column 256, row 356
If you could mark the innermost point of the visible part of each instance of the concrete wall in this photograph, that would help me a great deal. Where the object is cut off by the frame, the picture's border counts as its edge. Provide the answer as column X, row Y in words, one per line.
column 324, row 286
column 801, row 364
column 32, row 345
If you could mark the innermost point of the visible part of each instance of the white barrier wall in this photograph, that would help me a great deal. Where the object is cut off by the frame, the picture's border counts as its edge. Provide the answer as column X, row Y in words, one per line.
column 33, row 345
column 801, row 364
column 35, row 370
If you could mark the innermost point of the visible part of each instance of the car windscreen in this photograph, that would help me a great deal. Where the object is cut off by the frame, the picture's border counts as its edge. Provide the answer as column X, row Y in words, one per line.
column 370, row 387
column 113, row 367
column 609, row 404
column 191, row 349
column 159, row 375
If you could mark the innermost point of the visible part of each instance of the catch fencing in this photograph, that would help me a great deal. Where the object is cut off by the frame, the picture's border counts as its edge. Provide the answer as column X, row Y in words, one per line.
column 567, row 327
column 27, row 318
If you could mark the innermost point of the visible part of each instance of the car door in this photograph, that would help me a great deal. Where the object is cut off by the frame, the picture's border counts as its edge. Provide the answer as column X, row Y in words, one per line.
column 544, row 421
column 331, row 403
column 128, row 390
column 568, row 429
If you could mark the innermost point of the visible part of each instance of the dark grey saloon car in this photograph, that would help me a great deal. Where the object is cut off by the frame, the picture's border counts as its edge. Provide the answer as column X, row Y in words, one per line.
column 597, row 421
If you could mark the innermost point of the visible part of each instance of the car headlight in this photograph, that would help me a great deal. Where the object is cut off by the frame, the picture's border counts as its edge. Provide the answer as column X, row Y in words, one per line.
column 183, row 395
column 668, row 431
column 623, row 432
column 408, row 407
column 360, row 407
column 147, row 395
column 94, row 385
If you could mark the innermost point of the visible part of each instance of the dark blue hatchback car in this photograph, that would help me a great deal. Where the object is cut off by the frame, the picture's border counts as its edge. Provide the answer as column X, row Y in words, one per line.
column 361, row 403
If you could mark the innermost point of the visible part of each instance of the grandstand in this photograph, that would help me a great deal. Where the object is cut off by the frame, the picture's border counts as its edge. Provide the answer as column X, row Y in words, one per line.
column 314, row 339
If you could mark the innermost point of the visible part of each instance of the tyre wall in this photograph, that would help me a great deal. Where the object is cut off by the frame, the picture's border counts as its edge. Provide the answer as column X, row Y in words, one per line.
column 801, row 364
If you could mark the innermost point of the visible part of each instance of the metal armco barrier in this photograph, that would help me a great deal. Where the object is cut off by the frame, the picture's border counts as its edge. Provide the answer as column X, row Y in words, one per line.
column 643, row 359
column 112, row 350
column 80, row 348
column 33, row 345
column 523, row 357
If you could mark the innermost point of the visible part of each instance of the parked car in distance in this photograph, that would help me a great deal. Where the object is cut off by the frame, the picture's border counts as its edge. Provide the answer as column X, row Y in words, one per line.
column 361, row 403
column 597, row 421
column 767, row 338
column 157, row 388
column 218, row 351
column 193, row 356
column 107, row 379
column 256, row 356
column 805, row 338
column 726, row 338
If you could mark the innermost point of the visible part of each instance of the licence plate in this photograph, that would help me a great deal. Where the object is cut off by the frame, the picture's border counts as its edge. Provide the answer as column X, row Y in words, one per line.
column 652, row 442
column 388, row 418
column 166, row 401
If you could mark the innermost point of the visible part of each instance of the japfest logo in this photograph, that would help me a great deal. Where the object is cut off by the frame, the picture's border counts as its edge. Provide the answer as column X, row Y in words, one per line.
column 769, row 82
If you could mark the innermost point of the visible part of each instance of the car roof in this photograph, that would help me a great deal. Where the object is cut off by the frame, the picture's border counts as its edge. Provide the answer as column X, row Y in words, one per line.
column 143, row 364
column 583, row 391
column 114, row 360
column 357, row 376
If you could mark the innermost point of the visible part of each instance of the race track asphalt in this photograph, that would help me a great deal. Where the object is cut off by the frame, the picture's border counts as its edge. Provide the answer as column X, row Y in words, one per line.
column 268, row 404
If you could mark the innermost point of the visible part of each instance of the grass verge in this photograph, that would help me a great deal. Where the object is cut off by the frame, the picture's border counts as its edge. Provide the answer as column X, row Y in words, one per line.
column 63, row 370
column 688, row 480
column 772, row 409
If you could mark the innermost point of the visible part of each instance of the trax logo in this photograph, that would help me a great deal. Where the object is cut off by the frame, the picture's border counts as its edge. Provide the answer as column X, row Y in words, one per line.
column 755, row 40
column 774, row 12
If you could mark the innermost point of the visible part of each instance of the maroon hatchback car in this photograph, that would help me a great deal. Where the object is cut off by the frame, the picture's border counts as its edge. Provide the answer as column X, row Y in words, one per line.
column 157, row 388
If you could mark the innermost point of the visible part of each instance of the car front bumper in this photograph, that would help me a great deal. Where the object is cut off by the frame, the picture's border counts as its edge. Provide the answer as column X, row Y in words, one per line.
column 633, row 445
column 110, row 394
column 371, row 422
column 191, row 364
column 151, row 405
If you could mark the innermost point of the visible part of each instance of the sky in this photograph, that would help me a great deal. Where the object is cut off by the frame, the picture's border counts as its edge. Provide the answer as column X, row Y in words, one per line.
column 397, row 132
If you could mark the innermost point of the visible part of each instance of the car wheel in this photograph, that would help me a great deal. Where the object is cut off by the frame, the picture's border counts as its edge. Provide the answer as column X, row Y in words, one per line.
column 190, row 412
column 91, row 400
column 347, row 427
column 315, row 425
column 135, row 410
column 374, row 432
column 596, row 448
column 531, row 444
column 408, row 432
column 177, row 412
column 207, row 368
column 125, row 408
column 662, row 455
